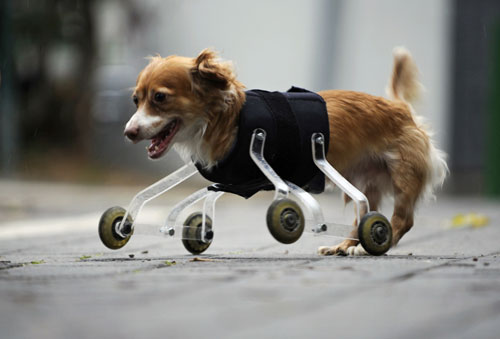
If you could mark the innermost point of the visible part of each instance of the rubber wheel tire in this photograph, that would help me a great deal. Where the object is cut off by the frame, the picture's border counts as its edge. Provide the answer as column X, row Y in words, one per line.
column 191, row 236
column 375, row 233
column 107, row 231
column 285, row 220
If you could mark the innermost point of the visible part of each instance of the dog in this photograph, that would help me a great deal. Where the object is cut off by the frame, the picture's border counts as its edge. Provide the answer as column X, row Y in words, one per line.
column 378, row 144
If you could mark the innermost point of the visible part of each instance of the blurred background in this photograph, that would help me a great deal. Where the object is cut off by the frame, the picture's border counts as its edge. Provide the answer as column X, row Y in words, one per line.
column 67, row 68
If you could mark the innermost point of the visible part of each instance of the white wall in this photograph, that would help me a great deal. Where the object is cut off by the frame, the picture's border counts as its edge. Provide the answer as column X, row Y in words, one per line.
column 368, row 31
column 272, row 43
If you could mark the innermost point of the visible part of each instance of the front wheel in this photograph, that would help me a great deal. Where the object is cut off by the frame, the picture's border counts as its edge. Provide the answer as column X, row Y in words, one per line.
column 108, row 224
column 192, row 238
column 375, row 233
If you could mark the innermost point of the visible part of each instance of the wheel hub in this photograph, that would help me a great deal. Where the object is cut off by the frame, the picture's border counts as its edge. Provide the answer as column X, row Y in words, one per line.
column 379, row 233
column 124, row 231
column 290, row 220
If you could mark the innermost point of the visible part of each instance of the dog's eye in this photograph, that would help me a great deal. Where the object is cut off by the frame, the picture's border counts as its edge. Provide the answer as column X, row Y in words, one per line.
column 136, row 101
column 159, row 97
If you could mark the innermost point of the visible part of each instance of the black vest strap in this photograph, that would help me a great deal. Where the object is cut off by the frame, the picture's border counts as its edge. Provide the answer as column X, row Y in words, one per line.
column 286, row 128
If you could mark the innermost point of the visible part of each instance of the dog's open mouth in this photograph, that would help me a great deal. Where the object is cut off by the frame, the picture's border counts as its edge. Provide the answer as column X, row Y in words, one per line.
column 161, row 141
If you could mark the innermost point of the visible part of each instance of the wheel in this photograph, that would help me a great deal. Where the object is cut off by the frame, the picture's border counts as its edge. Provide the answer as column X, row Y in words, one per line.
column 107, row 228
column 285, row 220
column 191, row 236
column 375, row 233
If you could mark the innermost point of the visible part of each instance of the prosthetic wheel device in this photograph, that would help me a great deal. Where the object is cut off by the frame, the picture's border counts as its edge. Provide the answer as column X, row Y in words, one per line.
column 285, row 219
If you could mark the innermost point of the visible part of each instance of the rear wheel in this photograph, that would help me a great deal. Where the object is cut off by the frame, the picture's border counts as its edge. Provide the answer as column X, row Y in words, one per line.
column 375, row 233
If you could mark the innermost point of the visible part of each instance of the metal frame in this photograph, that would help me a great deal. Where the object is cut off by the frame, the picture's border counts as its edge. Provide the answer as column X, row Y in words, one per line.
column 283, row 188
column 311, row 205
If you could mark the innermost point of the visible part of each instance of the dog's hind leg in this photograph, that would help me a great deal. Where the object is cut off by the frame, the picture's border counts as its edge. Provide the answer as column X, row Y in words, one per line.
column 408, row 180
column 404, row 204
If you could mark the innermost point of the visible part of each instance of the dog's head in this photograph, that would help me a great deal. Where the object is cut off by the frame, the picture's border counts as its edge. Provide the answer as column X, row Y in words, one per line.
column 183, row 102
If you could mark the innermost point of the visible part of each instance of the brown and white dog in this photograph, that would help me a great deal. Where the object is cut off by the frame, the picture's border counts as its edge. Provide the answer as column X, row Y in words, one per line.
column 377, row 144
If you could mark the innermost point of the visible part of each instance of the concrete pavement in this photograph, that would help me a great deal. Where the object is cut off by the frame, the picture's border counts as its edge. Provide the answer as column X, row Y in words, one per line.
column 58, row 281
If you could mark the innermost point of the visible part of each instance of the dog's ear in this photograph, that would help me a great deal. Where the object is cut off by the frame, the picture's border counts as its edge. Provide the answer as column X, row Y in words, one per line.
column 208, row 72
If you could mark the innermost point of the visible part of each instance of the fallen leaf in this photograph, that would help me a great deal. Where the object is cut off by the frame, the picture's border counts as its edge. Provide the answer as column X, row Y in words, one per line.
column 473, row 220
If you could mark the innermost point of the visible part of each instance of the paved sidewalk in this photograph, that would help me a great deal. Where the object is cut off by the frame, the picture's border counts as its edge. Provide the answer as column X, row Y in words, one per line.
column 58, row 281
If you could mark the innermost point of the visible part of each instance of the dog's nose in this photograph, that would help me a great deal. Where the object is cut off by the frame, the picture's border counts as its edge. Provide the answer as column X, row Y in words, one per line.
column 132, row 132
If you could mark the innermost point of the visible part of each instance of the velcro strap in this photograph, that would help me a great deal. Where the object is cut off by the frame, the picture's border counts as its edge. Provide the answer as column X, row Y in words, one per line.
column 288, row 136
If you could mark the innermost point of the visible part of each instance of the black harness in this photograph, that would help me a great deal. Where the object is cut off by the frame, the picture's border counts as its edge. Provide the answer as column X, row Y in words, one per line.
column 289, row 119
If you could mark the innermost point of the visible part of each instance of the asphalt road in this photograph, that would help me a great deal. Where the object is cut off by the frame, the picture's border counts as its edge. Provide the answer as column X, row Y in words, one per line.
column 58, row 281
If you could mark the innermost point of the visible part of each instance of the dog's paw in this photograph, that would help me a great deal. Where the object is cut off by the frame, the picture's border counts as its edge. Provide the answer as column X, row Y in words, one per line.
column 343, row 249
column 340, row 249
column 331, row 250
column 357, row 250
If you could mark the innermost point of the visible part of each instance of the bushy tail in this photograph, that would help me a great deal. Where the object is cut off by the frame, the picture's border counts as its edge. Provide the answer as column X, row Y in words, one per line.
column 403, row 84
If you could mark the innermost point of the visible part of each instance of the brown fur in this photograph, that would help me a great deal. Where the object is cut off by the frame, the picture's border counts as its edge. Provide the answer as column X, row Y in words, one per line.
column 375, row 142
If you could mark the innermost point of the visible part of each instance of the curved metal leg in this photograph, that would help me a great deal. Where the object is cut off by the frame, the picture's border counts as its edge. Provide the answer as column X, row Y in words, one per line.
column 257, row 155
column 311, row 205
column 357, row 196
column 172, row 219
column 209, row 210
column 151, row 192
column 173, row 224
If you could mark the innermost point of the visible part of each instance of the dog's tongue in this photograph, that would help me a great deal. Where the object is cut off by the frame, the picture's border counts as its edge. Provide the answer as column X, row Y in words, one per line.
column 157, row 146
column 160, row 142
